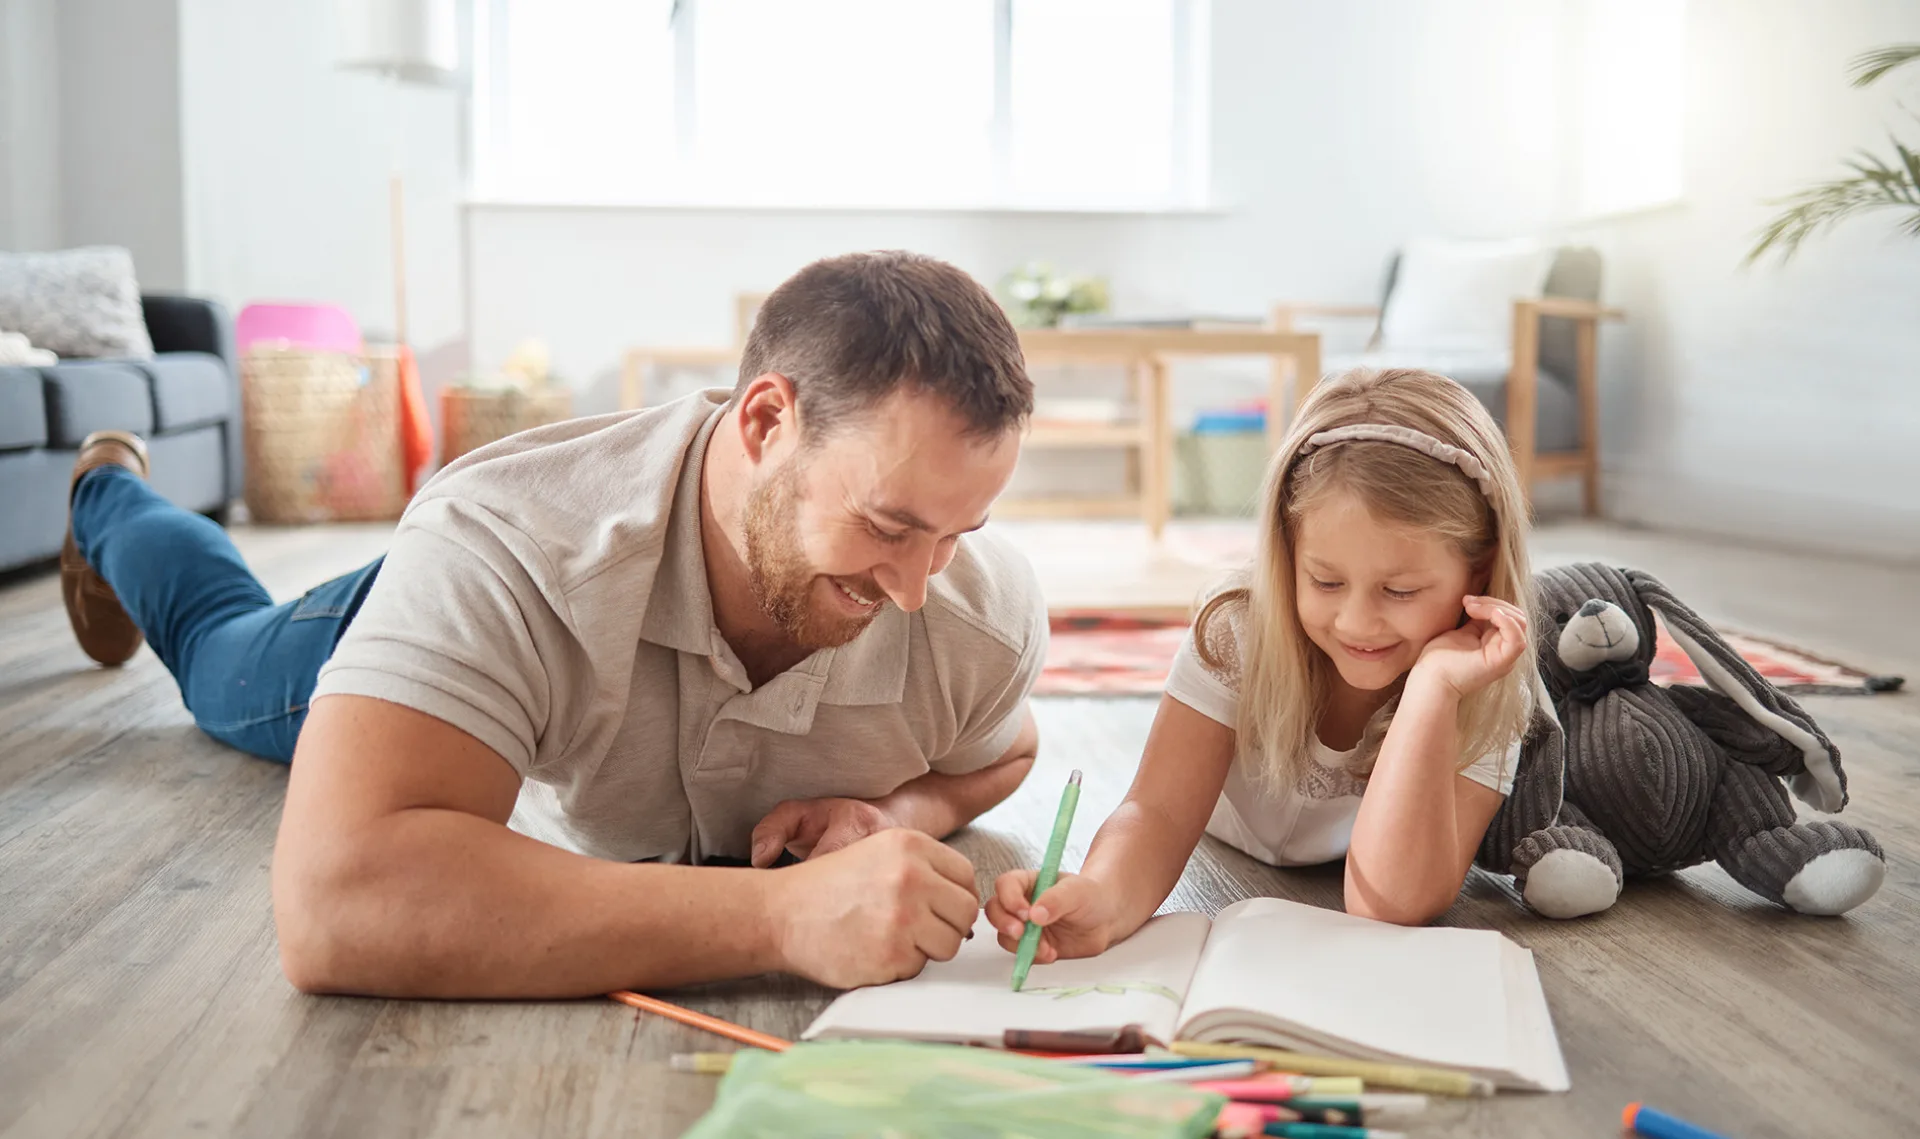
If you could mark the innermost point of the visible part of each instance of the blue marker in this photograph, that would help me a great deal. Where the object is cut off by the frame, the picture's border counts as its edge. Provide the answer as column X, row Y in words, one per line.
column 1659, row 1125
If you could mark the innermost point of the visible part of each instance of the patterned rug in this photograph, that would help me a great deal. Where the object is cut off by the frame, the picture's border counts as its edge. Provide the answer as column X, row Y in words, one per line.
column 1111, row 654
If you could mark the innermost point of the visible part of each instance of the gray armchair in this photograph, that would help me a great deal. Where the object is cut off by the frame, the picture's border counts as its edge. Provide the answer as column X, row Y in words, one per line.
column 1546, row 397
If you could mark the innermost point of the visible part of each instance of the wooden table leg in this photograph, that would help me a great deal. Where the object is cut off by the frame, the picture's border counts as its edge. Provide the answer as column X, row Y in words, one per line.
column 1157, row 485
column 1297, row 372
column 1587, row 368
column 1522, row 398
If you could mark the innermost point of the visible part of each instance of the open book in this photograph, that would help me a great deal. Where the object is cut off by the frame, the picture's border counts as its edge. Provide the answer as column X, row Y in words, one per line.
column 1267, row 972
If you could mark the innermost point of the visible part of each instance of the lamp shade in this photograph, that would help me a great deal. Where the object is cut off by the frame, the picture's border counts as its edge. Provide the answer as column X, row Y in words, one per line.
column 415, row 41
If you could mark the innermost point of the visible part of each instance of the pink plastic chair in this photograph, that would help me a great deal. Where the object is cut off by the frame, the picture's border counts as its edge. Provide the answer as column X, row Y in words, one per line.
column 323, row 328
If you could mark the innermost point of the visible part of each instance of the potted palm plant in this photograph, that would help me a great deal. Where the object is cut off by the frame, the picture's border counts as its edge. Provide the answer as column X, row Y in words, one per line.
column 1876, row 182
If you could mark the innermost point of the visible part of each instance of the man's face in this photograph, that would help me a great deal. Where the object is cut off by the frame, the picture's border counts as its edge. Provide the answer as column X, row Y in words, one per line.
column 837, row 530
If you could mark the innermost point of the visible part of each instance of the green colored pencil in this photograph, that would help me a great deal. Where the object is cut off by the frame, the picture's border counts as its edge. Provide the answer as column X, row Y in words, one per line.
column 1049, row 873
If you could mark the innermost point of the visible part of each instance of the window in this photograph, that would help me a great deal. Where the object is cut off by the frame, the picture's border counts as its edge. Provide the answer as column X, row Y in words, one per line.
column 1067, row 104
column 1630, row 105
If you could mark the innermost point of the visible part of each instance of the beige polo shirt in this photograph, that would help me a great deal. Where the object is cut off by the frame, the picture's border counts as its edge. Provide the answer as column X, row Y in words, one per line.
column 548, row 595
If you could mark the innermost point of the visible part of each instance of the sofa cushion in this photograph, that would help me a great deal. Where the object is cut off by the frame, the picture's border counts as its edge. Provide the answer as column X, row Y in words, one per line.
column 84, row 396
column 190, row 389
column 23, row 409
column 1458, row 295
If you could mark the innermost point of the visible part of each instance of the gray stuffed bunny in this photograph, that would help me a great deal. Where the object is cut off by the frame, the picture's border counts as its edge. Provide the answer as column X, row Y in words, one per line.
column 1622, row 778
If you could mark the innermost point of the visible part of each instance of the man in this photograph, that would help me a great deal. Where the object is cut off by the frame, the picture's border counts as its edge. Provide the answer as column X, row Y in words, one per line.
column 602, row 656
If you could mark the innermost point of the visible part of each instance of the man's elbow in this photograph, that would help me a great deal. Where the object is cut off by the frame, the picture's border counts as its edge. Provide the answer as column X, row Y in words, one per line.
column 312, row 911
column 309, row 953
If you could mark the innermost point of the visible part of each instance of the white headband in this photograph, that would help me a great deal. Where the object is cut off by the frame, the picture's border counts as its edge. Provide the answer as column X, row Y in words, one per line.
column 1407, row 437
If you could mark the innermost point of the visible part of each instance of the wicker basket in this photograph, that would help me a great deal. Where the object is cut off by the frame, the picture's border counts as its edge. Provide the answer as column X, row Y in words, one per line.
column 322, row 435
column 472, row 418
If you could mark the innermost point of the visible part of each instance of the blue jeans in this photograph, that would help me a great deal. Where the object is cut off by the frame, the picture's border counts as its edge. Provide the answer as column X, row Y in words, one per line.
column 246, row 667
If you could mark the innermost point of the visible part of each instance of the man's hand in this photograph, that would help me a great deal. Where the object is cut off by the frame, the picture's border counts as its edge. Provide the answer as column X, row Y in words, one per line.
column 814, row 827
column 874, row 912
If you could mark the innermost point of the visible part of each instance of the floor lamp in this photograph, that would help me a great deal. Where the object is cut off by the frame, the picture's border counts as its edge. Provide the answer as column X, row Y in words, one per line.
column 406, row 41
column 413, row 42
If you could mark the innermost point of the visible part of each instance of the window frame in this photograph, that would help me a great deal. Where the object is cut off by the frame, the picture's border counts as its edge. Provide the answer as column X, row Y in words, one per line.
column 490, row 140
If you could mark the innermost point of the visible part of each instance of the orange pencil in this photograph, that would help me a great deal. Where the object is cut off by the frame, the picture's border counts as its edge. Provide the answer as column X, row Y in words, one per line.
column 712, row 1024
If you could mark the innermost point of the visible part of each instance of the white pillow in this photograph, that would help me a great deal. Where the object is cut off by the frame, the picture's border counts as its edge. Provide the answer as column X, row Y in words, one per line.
column 1457, row 296
column 76, row 302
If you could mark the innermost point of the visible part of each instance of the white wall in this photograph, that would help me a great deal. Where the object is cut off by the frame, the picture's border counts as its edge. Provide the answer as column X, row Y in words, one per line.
column 119, row 115
column 288, row 162
column 1339, row 131
column 29, row 125
column 90, row 130
column 1775, row 403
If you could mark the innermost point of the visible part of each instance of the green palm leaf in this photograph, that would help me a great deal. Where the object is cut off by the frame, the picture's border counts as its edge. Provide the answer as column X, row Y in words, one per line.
column 1871, row 65
column 1876, row 184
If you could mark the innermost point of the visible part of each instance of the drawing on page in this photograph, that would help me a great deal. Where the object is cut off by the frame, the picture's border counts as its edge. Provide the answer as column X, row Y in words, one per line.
column 1108, row 988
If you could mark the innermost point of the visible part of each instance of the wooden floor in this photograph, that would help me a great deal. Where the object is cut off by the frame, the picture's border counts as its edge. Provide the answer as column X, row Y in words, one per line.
column 140, row 993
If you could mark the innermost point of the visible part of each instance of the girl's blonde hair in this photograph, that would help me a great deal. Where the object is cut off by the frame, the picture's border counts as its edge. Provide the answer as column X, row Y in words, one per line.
column 1284, row 680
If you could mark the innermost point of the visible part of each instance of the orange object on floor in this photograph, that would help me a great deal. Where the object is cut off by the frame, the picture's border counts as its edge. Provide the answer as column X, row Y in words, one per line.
column 416, row 427
column 713, row 1024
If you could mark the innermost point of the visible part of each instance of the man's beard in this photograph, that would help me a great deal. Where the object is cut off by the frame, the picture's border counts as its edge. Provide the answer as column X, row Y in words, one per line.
column 777, row 569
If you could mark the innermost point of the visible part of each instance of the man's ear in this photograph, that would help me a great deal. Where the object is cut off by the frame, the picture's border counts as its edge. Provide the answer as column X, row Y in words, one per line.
column 768, row 416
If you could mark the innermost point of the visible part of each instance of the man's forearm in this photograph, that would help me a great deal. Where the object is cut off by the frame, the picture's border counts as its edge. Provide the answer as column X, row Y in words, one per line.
column 437, row 903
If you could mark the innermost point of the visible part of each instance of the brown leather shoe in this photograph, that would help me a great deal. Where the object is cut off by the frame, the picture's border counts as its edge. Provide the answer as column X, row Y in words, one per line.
column 100, row 623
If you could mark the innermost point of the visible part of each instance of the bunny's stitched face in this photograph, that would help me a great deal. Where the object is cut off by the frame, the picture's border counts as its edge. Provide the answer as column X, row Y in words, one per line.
column 1598, row 632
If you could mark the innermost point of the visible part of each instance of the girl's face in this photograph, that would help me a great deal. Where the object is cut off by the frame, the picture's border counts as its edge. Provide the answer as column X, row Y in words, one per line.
column 1371, row 594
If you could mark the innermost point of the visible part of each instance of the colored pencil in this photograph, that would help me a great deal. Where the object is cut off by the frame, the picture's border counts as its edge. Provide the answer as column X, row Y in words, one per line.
column 1277, row 1088
column 1328, row 1131
column 1130, row 1040
column 1227, row 1070
column 1148, row 1063
column 1239, row 1121
column 1434, row 1081
column 704, row 1063
column 1049, row 873
column 1359, row 1111
column 711, row 1024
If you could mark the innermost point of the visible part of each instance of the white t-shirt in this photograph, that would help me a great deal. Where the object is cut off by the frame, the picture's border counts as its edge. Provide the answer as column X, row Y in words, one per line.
column 1310, row 822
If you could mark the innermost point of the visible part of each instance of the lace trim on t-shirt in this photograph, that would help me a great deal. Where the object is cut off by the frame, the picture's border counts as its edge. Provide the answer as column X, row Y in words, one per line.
column 1318, row 781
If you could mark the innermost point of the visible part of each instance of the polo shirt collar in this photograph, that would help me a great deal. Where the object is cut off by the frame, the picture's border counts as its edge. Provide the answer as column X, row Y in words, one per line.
column 679, row 609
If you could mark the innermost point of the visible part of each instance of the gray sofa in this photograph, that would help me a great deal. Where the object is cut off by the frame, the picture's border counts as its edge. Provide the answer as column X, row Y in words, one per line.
column 185, row 402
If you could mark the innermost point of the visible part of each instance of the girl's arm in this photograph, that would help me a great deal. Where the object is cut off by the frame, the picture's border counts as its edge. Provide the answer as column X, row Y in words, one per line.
column 1139, row 852
column 1143, row 846
column 1420, row 820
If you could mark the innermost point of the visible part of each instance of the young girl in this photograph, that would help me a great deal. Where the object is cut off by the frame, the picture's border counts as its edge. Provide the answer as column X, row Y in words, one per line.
column 1362, row 692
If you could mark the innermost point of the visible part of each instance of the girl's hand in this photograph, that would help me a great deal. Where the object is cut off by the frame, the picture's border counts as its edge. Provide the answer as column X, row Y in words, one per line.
column 1478, row 653
column 1073, row 915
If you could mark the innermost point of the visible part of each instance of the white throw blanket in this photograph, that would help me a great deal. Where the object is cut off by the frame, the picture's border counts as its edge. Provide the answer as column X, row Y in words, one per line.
column 15, row 349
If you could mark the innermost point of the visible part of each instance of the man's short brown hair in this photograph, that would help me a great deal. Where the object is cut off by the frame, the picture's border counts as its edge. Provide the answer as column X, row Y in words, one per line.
column 849, row 331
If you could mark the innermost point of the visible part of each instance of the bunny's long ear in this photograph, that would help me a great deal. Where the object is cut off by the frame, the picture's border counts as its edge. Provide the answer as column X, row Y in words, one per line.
column 1820, row 784
column 1539, row 786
